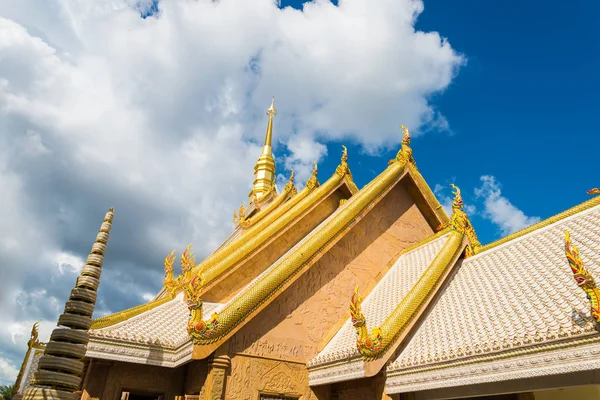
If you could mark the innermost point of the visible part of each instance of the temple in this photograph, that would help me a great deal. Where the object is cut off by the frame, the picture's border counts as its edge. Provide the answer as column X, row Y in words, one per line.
column 335, row 292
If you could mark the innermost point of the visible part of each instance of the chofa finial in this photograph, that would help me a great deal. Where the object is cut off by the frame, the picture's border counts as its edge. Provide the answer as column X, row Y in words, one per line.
column 343, row 168
column 594, row 191
column 404, row 156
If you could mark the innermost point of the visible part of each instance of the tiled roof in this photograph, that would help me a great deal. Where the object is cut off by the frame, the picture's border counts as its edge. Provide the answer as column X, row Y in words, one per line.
column 164, row 326
column 517, row 295
column 382, row 300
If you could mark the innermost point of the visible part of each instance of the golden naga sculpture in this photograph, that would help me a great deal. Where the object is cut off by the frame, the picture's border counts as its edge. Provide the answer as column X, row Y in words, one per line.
column 343, row 168
column 583, row 278
column 290, row 186
column 368, row 344
column 239, row 216
column 169, row 282
column 594, row 191
column 405, row 155
column 460, row 222
column 34, row 339
column 313, row 182
column 192, row 287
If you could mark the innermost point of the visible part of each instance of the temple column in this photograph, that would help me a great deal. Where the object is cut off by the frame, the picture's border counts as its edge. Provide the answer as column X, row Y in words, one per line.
column 217, row 375
column 60, row 368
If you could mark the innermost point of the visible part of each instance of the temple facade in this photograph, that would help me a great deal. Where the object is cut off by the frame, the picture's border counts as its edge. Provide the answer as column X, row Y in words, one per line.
column 335, row 292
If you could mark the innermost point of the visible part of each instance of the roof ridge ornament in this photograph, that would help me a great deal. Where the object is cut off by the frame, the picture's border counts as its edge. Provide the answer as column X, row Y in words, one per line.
column 343, row 168
column 459, row 221
column 584, row 279
column 264, row 169
column 404, row 155
column 368, row 344
column 594, row 191
column 313, row 181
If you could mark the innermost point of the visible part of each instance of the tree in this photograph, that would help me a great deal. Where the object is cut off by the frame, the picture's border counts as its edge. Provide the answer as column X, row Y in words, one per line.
column 6, row 392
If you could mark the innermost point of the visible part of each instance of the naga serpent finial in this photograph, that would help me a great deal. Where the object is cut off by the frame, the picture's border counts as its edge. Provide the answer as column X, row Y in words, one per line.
column 368, row 344
column 343, row 168
column 584, row 279
column 313, row 182
column 290, row 186
column 459, row 221
column 169, row 282
column 405, row 154
column 594, row 191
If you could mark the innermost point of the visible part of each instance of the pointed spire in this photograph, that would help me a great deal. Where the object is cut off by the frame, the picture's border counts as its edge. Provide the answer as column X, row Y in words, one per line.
column 264, row 170
column 60, row 368
column 313, row 181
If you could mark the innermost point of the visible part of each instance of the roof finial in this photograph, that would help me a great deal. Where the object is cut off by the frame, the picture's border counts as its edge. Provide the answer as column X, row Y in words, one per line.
column 264, row 170
column 343, row 168
column 271, row 112
column 313, row 181
column 459, row 221
column 405, row 154
column 594, row 191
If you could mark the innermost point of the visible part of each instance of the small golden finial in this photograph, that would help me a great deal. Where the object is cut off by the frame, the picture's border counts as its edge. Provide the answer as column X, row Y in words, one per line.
column 315, row 170
column 404, row 156
column 188, row 260
column 405, row 135
column 594, row 191
column 457, row 203
column 292, row 176
column 343, row 168
column 271, row 111
column 313, row 181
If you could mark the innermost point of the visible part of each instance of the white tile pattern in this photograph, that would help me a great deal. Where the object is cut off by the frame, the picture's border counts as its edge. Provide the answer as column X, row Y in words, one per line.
column 516, row 295
column 164, row 326
column 381, row 301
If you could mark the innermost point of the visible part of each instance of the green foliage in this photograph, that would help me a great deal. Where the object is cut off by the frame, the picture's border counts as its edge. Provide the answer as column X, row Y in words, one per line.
column 6, row 391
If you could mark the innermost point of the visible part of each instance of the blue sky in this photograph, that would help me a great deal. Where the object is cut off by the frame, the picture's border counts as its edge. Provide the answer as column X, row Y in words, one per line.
column 102, row 108
column 524, row 108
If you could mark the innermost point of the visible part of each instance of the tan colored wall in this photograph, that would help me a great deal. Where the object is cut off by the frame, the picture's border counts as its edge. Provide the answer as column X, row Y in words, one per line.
column 136, row 378
column 258, row 262
column 314, row 307
column 591, row 392
column 195, row 376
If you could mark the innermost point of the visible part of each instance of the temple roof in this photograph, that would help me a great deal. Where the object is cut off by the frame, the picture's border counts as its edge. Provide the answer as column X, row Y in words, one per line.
column 514, row 299
column 383, row 298
column 160, row 329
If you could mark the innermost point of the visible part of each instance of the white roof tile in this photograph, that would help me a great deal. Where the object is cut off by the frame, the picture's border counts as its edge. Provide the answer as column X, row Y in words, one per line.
column 165, row 325
column 519, row 294
column 382, row 299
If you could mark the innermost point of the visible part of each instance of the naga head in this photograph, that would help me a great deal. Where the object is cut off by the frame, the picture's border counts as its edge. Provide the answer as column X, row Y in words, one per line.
column 457, row 202
column 405, row 136
column 581, row 275
column 344, row 154
column 169, row 260
column 188, row 260
column 594, row 191
column 358, row 319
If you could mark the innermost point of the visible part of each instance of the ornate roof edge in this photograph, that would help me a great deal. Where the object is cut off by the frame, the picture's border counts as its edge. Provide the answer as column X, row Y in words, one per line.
column 254, row 240
column 538, row 360
column 137, row 353
column 542, row 224
column 248, row 303
column 377, row 347
column 109, row 320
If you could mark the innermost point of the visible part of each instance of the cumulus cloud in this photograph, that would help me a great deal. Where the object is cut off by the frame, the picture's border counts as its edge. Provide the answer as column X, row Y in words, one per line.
column 163, row 119
column 499, row 209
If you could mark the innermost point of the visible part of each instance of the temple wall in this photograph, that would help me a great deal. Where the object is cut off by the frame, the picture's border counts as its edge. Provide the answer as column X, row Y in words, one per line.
column 195, row 377
column 107, row 381
column 307, row 314
column 590, row 392
column 252, row 267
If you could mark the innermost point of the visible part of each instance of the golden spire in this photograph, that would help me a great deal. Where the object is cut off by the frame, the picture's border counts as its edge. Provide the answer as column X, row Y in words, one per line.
column 264, row 170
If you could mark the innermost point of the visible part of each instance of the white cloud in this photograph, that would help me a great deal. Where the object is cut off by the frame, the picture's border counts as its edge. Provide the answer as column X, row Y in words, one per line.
column 499, row 209
column 163, row 118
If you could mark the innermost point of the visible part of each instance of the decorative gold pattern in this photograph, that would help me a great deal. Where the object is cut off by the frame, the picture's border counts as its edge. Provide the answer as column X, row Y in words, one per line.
column 169, row 282
column 258, row 293
column 407, row 309
column 405, row 155
column 460, row 222
column 264, row 170
column 313, row 182
column 584, row 279
column 368, row 344
column 343, row 169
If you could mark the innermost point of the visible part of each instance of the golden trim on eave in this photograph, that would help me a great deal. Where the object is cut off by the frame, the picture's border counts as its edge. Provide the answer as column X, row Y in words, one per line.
column 247, row 224
column 241, row 307
column 542, row 224
column 124, row 315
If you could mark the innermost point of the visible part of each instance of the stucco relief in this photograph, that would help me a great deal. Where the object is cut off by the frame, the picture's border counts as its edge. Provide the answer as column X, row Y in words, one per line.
column 313, row 306
column 251, row 376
